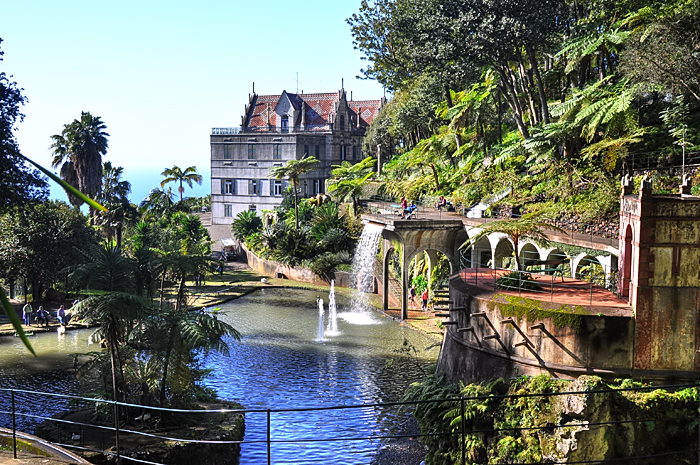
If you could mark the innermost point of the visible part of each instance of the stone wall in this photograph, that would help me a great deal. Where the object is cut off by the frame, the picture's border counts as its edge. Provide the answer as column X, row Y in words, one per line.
column 526, row 336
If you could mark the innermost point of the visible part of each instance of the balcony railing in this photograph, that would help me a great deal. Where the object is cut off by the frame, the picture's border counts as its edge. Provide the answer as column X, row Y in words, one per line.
column 224, row 131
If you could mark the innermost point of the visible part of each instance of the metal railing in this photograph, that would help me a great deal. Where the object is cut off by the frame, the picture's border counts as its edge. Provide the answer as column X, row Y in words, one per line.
column 457, row 434
column 390, row 208
column 544, row 279
column 225, row 131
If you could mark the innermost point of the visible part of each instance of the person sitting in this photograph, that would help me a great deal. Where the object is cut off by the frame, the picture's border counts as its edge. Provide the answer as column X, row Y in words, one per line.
column 442, row 203
column 42, row 316
column 411, row 210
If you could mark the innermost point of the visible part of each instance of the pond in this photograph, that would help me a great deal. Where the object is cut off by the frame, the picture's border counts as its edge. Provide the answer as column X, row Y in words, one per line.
column 52, row 371
column 279, row 364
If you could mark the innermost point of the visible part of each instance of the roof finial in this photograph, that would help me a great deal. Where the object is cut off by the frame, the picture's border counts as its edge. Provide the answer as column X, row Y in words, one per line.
column 342, row 83
column 253, row 86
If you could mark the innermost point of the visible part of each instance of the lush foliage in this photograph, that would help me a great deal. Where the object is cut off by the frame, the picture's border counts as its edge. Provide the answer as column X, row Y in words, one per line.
column 41, row 243
column 531, row 106
column 18, row 183
column 322, row 240
column 521, row 427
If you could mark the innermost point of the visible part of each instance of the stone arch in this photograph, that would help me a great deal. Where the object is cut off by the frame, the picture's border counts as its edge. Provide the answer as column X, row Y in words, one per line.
column 589, row 268
column 556, row 254
column 481, row 253
column 626, row 277
column 502, row 253
column 529, row 253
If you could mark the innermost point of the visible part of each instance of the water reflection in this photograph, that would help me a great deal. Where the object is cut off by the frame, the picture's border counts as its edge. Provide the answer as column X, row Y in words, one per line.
column 279, row 364
column 50, row 371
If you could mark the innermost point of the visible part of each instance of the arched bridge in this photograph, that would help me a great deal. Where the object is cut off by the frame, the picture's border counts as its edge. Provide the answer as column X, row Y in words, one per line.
column 432, row 231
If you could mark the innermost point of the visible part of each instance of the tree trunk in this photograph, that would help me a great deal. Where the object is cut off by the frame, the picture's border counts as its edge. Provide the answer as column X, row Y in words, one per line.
column 435, row 176
column 296, row 206
column 181, row 291
column 448, row 96
column 162, row 288
column 508, row 93
column 532, row 56
column 524, row 83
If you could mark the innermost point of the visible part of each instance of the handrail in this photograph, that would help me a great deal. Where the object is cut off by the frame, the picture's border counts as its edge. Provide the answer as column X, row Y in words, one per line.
column 353, row 436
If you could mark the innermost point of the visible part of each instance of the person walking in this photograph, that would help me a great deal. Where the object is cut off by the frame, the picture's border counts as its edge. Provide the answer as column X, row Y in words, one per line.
column 412, row 297
column 424, row 298
column 27, row 314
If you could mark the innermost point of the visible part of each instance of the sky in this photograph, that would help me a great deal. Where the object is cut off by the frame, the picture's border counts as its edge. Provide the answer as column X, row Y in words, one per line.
column 162, row 74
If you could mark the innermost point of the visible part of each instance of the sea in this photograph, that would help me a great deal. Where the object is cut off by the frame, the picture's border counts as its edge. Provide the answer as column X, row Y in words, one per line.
column 142, row 182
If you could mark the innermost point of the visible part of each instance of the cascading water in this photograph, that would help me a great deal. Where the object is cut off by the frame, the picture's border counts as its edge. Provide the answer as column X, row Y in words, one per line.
column 332, row 328
column 363, row 270
column 319, row 333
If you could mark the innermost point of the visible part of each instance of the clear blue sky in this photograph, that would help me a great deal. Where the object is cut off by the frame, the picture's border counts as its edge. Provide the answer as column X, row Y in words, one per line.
column 162, row 74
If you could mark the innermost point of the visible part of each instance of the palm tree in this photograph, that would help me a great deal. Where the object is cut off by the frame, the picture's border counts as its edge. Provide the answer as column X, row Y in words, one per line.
column 175, row 334
column 529, row 226
column 352, row 189
column 292, row 170
column 111, row 305
column 79, row 150
column 114, row 196
column 175, row 174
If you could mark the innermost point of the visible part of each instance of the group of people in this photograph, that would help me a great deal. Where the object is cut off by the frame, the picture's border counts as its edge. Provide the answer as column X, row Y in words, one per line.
column 406, row 209
column 43, row 316
column 424, row 298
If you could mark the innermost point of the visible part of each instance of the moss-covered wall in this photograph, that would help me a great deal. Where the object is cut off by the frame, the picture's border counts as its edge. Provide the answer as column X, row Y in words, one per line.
column 578, row 428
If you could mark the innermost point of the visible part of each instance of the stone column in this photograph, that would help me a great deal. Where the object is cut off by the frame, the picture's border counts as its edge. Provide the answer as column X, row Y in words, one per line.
column 385, row 276
column 404, row 284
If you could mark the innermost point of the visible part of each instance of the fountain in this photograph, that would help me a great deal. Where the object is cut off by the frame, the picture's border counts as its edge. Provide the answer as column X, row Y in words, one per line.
column 319, row 332
column 332, row 328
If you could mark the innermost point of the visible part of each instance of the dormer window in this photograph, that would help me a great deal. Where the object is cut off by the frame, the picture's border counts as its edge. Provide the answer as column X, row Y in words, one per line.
column 284, row 124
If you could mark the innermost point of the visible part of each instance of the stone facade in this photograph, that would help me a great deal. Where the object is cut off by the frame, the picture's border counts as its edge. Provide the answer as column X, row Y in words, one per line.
column 659, row 263
column 278, row 128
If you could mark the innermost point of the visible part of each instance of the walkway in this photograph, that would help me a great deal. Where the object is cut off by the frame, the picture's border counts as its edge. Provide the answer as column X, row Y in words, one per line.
column 562, row 291
column 390, row 215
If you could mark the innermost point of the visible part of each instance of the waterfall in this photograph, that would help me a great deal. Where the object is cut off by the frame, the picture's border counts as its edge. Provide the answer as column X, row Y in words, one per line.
column 363, row 264
column 332, row 328
column 319, row 333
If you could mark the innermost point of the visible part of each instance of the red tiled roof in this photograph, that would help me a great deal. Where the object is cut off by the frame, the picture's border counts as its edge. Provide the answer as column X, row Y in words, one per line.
column 369, row 109
column 318, row 109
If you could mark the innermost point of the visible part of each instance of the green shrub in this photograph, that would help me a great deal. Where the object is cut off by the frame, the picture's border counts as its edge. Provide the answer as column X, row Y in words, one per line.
column 518, row 280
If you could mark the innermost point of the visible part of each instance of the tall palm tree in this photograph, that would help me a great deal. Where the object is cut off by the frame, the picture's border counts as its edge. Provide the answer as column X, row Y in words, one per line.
column 175, row 174
column 114, row 196
column 292, row 170
column 79, row 150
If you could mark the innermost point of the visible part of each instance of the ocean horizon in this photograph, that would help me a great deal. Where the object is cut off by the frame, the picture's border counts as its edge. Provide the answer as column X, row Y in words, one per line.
column 142, row 182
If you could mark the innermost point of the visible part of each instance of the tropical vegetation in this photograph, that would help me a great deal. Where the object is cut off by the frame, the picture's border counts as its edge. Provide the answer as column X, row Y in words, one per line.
column 532, row 106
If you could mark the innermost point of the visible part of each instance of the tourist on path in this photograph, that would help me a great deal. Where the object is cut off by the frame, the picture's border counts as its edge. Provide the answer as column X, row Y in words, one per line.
column 404, row 207
column 61, row 315
column 424, row 298
column 27, row 314
column 412, row 297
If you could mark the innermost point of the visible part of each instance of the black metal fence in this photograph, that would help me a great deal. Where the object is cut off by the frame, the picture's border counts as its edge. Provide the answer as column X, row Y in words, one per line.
column 457, row 433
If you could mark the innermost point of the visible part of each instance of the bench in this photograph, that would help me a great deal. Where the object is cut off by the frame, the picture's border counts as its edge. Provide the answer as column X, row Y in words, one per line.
column 557, row 264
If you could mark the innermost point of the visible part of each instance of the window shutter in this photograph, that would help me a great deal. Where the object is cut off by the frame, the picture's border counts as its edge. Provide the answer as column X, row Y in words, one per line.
column 221, row 181
column 235, row 186
column 272, row 187
column 260, row 184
